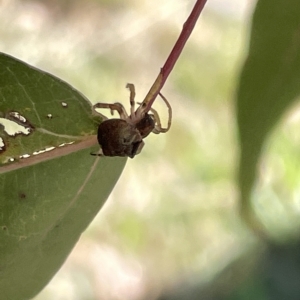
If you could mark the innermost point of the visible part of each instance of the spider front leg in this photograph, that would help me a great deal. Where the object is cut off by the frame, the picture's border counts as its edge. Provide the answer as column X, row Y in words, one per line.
column 158, row 128
column 135, row 116
column 131, row 88
column 113, row 106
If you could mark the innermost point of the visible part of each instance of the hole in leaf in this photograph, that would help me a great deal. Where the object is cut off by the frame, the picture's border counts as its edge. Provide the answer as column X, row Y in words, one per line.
column 64, row 144
column 2, row 145
column 12, row 128
column 43, row 150
column 16, row 116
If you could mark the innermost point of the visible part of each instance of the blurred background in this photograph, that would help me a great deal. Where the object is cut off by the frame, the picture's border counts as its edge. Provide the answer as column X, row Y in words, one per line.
column 172, row 219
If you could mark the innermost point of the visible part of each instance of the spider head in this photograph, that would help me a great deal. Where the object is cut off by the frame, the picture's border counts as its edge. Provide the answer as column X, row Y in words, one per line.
column 146, row 125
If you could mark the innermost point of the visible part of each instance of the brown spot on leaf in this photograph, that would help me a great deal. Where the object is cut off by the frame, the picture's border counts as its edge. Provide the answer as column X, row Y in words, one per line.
column 22, row 196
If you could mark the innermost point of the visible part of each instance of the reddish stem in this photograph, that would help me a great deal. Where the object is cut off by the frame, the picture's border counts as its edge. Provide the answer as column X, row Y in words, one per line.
column 187, row 29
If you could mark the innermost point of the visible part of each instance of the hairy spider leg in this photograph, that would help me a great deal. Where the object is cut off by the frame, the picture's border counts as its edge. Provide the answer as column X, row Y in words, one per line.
column 113, row 106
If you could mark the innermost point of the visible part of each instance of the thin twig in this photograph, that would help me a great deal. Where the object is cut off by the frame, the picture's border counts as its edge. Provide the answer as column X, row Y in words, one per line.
column 187, row 29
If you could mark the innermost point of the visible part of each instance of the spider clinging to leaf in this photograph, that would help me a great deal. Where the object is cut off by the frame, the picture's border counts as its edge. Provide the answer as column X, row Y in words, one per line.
column 124, row 136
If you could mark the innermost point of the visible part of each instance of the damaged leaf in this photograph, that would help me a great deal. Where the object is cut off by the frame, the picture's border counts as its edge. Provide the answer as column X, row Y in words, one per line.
column 28, row 98
column 50, row 186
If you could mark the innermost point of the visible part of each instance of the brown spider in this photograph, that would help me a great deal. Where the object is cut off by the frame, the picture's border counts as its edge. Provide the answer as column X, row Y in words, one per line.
column 124, row 136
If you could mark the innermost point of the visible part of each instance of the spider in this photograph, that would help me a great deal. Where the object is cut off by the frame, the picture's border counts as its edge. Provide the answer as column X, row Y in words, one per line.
column 124, row 136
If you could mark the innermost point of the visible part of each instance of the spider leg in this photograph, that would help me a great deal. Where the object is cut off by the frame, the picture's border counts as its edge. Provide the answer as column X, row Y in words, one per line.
column 98, row 153
column 158, row 128
column 131, row 88
column 113, row 106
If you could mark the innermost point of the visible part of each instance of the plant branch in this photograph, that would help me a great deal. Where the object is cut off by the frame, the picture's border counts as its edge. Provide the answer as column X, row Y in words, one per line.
column 187, row 29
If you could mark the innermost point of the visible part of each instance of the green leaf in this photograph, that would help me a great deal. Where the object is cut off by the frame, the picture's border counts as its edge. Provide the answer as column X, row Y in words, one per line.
column 48, row 199
column 54, row 111
column 269, row 83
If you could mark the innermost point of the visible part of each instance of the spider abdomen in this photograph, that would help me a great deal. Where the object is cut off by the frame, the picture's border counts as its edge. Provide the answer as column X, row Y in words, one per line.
column 119, row 138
